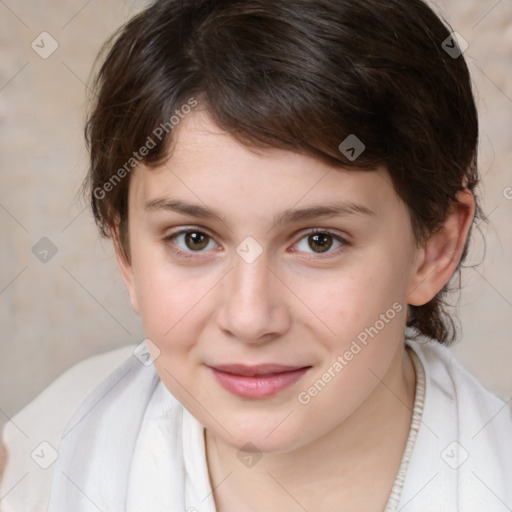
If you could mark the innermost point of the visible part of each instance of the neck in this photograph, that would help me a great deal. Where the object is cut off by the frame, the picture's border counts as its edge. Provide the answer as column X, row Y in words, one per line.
column 355, row 464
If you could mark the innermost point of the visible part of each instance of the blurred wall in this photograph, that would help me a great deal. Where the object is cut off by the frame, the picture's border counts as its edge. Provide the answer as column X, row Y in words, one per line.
column 61, row 298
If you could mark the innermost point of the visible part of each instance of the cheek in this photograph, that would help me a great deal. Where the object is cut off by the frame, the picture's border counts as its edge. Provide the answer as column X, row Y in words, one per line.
column 172, row 313
column 363, row 302
column 168, row 306
column 168, row 296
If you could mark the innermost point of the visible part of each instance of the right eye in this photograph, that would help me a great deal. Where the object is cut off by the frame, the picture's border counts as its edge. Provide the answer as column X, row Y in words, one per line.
column 189, row 241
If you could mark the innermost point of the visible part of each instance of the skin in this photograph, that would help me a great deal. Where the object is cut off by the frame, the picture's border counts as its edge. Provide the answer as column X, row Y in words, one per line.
column 293, row 305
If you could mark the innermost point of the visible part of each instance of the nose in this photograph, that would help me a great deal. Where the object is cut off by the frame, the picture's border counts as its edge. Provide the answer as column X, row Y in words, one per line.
column 253, row 307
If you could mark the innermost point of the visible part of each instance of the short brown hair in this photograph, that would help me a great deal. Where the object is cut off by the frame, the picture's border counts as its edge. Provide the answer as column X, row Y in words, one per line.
column 300, row 75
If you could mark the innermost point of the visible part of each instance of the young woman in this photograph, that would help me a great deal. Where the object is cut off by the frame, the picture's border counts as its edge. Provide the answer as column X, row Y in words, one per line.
column 289, row 186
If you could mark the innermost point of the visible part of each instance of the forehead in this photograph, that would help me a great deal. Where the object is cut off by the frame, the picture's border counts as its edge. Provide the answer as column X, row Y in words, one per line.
column 208, row 166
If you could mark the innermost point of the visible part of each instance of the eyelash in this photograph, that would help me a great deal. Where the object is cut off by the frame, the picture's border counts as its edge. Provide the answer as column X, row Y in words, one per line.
column 316, row 256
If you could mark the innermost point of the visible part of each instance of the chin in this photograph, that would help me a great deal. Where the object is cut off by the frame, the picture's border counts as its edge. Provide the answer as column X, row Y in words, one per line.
column 260, row 438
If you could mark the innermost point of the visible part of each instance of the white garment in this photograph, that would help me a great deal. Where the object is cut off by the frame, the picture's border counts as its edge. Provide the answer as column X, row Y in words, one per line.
column 102, row 454
column 153, row 481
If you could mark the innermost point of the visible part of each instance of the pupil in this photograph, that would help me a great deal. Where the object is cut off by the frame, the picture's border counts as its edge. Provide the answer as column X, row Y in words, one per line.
column 196, row 240
column 321, row 240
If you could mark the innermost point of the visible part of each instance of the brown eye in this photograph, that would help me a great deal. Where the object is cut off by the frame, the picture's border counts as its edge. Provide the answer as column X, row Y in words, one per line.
column 196, row 241
column 320, row 242
column 190, row 241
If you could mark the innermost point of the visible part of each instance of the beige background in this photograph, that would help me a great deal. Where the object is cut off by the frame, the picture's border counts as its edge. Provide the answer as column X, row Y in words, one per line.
column 54, row 314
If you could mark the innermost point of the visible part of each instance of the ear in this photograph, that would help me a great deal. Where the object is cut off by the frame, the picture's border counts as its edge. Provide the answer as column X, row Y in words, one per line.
column 125, row 267
column 439, row 258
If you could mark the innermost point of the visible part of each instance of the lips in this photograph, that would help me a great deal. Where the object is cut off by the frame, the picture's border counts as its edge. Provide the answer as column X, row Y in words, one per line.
column 255, row 371
column 260, row 381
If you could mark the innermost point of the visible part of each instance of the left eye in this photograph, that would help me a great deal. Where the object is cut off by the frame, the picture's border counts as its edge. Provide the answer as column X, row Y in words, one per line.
column 319, row 242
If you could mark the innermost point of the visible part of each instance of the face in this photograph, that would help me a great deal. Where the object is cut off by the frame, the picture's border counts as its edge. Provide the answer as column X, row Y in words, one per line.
column 257, row 274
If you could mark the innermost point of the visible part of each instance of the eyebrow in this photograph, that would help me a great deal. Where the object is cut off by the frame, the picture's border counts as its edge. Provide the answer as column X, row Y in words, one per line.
column 346, row 208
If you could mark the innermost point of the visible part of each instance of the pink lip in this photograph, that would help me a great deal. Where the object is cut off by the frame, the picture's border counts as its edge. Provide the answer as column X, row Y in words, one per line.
column 259, row 381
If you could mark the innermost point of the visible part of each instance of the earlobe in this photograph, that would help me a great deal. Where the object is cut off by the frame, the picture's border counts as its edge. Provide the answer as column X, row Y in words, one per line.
column 441, row 254
column 125, row 268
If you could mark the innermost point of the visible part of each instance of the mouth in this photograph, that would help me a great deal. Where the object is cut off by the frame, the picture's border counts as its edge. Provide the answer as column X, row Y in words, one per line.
column 260, row 381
